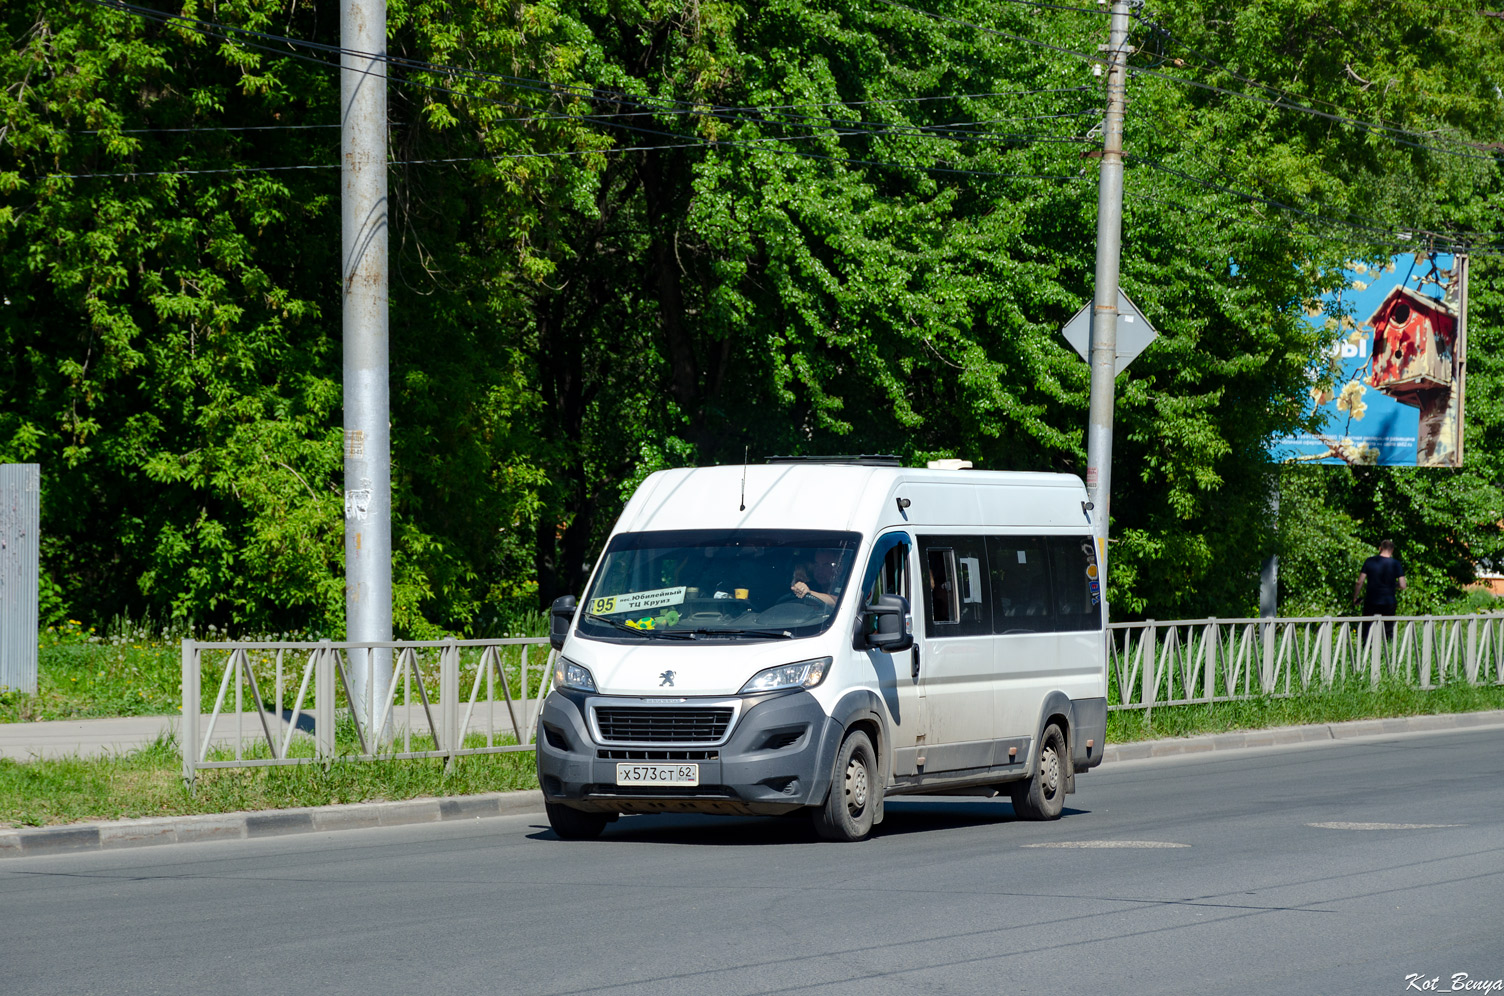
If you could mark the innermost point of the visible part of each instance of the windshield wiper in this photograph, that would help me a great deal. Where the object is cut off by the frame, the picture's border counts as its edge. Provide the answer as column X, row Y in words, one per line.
column 781, row 634
column 690, row 634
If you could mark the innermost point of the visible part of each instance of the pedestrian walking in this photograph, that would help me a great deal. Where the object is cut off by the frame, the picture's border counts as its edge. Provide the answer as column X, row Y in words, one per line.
column 1379, row 584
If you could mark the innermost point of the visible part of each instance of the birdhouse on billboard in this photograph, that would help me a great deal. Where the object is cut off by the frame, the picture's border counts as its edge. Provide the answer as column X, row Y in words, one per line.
column 1414, row 346
column 1414, row 361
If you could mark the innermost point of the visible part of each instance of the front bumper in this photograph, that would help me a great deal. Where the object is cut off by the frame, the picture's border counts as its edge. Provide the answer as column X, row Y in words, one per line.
column 776, row 759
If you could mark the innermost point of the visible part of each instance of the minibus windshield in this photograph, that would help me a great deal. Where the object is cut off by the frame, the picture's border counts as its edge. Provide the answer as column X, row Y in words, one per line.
column 731, row 584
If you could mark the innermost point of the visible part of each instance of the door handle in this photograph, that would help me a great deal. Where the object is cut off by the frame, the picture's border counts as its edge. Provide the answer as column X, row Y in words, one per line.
column 915, row 661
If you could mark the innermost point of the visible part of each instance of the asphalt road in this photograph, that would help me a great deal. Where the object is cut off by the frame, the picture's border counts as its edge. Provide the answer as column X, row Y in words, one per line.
column 1356, row 866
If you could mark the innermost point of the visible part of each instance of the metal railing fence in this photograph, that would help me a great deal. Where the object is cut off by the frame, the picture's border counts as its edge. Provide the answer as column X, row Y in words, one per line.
column 447, row 693
column 1220, row 660
column 444, row 695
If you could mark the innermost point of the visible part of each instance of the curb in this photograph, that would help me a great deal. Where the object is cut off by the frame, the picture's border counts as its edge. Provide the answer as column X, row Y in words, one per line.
column 111, row 835
column 1283, row 735
column 106, row 836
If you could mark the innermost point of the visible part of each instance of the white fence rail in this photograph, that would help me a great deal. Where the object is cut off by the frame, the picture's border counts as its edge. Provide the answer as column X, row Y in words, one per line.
column 450, row 694
column 1219, row 660
column 446, row 694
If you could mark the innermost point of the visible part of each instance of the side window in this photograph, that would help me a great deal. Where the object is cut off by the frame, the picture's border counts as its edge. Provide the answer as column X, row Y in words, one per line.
column 890, row 574
column 1076, row 588
column 1020, row 584
column 940, row 593
column 957, row 601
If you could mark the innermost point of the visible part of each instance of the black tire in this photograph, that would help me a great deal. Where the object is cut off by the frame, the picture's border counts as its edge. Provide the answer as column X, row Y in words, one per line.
column 1042, row 795
column 852, row 803
column 572, row 824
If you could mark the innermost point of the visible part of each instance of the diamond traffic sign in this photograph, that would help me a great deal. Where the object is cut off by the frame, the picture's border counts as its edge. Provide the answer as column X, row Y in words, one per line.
column 1134, row 332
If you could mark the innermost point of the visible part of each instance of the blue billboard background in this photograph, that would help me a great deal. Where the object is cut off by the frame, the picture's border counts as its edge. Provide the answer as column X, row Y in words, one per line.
column 1361, row 425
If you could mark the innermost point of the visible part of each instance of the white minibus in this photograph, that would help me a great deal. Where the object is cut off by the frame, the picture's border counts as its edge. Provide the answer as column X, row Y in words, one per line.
column 820, row 635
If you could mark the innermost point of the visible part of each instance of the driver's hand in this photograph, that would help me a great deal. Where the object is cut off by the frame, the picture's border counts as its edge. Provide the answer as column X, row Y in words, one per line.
column 800, row 588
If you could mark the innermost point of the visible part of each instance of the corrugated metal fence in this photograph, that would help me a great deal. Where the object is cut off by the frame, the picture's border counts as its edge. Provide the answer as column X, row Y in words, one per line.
column 20, row 513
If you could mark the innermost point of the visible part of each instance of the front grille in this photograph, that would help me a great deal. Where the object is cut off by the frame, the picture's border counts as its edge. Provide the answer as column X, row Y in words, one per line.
column 657, row 725
column 640, row 754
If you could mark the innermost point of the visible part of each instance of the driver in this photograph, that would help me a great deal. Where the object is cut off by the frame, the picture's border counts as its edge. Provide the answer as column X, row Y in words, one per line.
column 819, row 572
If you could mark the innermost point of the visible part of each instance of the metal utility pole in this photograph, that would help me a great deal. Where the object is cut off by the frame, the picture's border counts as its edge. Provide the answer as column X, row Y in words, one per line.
column 20, row 521
column 368, row 474
column 1104, row 326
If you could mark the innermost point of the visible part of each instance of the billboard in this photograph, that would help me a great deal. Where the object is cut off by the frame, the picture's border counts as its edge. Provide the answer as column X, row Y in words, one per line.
column 1388, row 388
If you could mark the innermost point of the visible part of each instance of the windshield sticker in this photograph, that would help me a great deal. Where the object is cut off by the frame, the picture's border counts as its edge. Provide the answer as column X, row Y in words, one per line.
column 637, row 601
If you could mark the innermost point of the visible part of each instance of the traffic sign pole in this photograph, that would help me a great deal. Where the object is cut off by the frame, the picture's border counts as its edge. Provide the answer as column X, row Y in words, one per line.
column 1104, row 326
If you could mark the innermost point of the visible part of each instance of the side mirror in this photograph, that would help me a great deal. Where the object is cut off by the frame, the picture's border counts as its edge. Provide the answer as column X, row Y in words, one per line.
column 560, row 615
column 888, row 624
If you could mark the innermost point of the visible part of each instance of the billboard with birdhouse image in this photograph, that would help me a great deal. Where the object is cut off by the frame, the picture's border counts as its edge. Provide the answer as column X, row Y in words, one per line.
column 1388, row 387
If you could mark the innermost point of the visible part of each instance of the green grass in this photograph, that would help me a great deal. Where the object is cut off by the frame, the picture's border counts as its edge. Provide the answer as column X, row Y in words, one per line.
column 1358, row 700
column 148, row 782
column 81, row 675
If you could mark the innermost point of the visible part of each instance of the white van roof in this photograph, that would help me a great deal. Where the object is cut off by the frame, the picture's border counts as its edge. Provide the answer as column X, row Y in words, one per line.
column 855, row 498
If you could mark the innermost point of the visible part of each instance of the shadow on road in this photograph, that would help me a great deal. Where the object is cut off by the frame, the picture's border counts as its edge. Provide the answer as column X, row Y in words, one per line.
column 903, row 817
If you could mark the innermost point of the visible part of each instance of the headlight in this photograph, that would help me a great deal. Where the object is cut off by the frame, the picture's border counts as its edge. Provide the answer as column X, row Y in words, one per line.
column 568, row 674
column 805, row 674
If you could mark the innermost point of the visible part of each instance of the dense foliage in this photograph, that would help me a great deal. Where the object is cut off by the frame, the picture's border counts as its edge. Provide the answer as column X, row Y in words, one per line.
column 630, row 234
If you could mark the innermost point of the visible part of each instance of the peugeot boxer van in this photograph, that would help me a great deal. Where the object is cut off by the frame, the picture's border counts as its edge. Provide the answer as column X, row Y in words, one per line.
column 820, row 636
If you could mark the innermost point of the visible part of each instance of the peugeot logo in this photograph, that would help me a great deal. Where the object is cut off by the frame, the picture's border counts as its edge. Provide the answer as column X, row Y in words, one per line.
column 668, row 679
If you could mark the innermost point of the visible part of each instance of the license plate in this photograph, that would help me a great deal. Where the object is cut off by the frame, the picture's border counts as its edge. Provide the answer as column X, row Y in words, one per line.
column 657, row 774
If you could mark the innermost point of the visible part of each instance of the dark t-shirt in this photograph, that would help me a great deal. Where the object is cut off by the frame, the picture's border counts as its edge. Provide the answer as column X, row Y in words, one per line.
column 1383, row 579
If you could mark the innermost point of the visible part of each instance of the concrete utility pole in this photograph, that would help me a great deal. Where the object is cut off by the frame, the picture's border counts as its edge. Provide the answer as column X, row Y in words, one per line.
column 1104, row 326
column 368, row 473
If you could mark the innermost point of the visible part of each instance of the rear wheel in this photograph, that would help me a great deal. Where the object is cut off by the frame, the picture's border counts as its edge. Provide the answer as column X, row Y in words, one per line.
column 572, row 824
column 1042, row 796
column 852, row 802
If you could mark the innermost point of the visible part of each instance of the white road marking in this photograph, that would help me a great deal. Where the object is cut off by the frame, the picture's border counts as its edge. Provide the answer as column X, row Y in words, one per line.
column 1109, row 843
column 1384, row 826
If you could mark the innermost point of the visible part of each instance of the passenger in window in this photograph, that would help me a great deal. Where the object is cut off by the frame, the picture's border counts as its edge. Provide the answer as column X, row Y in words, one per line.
column 821, row 571
column 940, row 587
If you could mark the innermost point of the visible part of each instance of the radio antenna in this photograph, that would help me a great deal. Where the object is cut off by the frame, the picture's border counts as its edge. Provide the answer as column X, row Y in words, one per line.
column 745, row 452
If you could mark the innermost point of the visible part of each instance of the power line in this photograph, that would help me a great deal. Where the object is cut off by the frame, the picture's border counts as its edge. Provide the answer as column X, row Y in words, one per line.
column 744, row 143
column 1278, row 205
column 1055, row 6
column 650, row 104
column 732, row 114
column 1284, row 93
column 990, row 31
column 1398, row 241
column 1386, row 130
column 840, row 129
column 663, row 105
column 195, row 128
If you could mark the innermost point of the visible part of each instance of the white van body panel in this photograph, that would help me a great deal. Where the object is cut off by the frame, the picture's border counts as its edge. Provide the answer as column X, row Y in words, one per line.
column 970, row 713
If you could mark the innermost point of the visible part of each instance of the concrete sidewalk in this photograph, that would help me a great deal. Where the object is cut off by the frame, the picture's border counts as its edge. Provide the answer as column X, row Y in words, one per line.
column 83, row 737
column 99, row 737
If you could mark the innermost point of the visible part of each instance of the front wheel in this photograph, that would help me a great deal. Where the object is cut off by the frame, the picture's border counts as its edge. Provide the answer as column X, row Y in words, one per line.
column 852, row 802
column 1042, row 796
column 572, row 824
